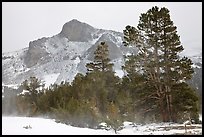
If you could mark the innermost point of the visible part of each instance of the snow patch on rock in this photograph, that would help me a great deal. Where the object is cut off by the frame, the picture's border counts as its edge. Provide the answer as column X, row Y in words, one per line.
column 50, row 79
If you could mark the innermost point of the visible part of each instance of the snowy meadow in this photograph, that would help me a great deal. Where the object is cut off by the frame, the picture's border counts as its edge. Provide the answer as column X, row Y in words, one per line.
column 43, row 126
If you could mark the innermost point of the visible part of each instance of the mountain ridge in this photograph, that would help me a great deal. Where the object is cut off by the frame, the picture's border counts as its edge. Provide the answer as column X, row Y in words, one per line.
column 66, row 53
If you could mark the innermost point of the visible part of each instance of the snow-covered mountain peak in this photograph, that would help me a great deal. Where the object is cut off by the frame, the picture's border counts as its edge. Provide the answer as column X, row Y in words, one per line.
column 63, row 55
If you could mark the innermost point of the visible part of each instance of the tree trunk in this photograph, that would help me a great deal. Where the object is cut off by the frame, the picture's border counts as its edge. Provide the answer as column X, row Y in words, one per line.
column 115, row 131
column 171, row 107
column 162, row 111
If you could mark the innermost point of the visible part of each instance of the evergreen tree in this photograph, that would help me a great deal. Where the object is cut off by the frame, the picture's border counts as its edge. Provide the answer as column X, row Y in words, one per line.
column 113, row 118
column 158, row 44
column 186, row 101
column 101, row 59
column 103, row 84
column 33, row 85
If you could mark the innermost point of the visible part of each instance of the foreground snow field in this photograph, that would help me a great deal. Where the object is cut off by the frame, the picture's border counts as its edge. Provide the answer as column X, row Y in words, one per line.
column 42, row 126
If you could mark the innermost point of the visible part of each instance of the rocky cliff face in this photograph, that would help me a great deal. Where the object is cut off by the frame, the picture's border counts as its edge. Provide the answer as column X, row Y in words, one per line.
column 77, row 31
column 35, row 52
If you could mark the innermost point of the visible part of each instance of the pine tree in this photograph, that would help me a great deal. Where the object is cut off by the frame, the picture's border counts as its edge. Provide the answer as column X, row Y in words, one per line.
column 33, row 85
column 101, row 59
column 159, row 44
column 186, row 101
column 103, row 84
column 113, row 118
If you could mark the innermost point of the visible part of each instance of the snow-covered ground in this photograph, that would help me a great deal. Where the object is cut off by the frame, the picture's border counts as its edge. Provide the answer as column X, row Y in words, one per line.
column 42, row 126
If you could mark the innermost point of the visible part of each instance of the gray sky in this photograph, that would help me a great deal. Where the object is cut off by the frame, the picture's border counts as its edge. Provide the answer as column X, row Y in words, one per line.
column 23, row 22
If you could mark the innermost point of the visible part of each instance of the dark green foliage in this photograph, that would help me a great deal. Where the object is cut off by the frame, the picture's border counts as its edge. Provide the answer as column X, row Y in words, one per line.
column 186, row 101
column 131, row 36
column 30, row 98
column 32, row 86
column 113, row 117
column 101, row 60
column 141, row 105
column 158, row 60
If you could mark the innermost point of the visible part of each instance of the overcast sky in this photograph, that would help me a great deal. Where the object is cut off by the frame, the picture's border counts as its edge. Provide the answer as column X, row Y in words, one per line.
column 23, row 22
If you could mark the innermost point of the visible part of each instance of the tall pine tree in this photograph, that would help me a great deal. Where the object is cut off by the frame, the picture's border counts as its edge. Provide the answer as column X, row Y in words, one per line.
column 104, row 85
column 159, row 44
column 101, row 59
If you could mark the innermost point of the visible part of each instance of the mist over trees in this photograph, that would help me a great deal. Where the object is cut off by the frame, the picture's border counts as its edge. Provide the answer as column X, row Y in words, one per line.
column 154, row 88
